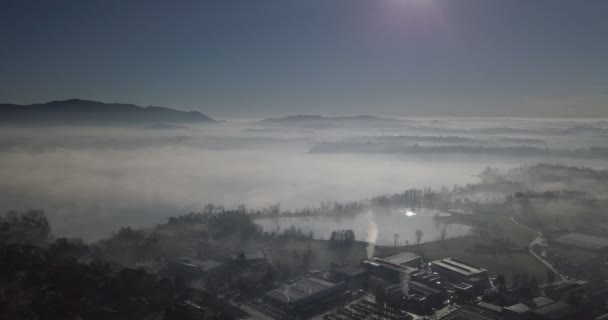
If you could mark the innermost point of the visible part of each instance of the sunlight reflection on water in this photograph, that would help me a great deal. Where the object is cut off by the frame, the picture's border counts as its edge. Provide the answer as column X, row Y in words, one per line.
column 407, row 212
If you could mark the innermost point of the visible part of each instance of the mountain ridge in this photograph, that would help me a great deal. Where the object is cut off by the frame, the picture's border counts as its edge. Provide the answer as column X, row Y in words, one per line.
column 79, row 111
column 308, row 117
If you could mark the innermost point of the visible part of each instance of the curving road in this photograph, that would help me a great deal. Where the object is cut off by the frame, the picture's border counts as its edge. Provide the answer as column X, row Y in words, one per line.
column 539, row 240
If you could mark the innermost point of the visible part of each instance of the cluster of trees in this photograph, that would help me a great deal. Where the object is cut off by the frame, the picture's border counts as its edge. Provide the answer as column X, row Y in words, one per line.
column 413, row 198
column 418, row 236
column 241, row 258
column 128, row 246
column 520, row 281
column 220, row 224
column 252, row 282
column 494, row 187
column 129, row 234
column 292, row 232
column 208, row 234
column 341, row 243
column 342, row 235
column 38, row 283
column 326, row 208
column 445, row 197
column 30, row 227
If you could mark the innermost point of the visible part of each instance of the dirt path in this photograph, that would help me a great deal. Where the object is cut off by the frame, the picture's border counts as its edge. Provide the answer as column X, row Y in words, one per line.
column 538, row 240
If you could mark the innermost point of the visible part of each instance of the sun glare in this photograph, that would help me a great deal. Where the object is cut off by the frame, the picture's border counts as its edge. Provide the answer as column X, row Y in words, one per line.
column 408, row 213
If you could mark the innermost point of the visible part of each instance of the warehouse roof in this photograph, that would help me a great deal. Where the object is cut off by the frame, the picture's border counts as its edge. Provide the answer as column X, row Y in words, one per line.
column 472, row 313
column 300, row 289
column 557, row 310
column 458, row 266
column 401, row 258
column 349, row 270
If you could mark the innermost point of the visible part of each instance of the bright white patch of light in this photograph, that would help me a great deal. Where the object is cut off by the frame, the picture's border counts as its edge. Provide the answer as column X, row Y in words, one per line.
column 407, row 213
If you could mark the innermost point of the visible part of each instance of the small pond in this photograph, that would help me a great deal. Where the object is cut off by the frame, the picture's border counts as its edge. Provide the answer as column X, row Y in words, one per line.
column 403, row 222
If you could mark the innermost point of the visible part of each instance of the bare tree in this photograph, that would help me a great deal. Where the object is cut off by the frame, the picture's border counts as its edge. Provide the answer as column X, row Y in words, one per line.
column 418, row 236
column 209, row 208
column 550, row 276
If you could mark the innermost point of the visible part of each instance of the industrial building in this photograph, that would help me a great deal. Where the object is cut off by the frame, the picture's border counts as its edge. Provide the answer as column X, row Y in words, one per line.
column 304, row 293
column 459, row 271
column 539, row 308
column 469, row 312
column 554, row 311
column 394, row 268
column 522, row 310
column 437, row 281
column 355, row 276
column 252, row 257
column 192, row 267
column 409, row 259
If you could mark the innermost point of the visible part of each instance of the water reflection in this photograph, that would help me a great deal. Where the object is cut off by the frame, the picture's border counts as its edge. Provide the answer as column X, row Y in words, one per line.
column 407, row 212
column 401, row 222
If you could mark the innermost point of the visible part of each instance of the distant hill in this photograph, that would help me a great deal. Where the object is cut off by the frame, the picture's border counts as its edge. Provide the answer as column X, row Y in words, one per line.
column 86, row 112
column 321, row 121
column 165, row 126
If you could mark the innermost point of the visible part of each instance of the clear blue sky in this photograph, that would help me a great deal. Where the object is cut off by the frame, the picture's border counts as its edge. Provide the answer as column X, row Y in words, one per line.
column 259, row 58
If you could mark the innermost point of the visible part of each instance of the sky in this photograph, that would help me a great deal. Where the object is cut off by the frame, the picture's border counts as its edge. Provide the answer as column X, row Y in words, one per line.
column 268, row 58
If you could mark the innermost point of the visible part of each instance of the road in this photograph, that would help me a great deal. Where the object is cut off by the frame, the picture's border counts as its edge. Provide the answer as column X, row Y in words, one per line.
column 539, row 240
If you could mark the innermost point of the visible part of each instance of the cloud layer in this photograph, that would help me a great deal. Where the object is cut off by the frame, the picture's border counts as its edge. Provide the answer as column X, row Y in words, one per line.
column 93, row 180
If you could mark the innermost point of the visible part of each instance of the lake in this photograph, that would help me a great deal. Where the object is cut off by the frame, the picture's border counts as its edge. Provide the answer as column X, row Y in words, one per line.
column 381, row 225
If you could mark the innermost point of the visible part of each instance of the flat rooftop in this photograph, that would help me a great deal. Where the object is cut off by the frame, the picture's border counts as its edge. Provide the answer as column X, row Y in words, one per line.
column 300, row 289
column 252, row 254
column 459, row 285
column 518, row 308
column 423, row 288
column 541, row 301
column 401, row 258
column 557, row 310
column 458, row 266
column 472, row 313
column 490, row 306
column 397, row 267
column 529, row 305
column 349, row 270
column 585, row 241
column 204, row 264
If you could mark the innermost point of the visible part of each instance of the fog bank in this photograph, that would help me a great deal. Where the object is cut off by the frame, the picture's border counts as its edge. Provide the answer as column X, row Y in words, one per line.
column 90, row 181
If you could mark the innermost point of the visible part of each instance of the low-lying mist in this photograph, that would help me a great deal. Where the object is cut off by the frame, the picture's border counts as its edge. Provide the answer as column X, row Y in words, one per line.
column 90, row 181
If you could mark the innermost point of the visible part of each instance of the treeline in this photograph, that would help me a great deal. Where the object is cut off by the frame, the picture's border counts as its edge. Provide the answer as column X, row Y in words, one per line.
column 411, row 198
column 342, row 235
column 220, row 223
column 67, row 279
column 494, row 186
column 38, row 283
column 31, row 227
column 292, row 232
